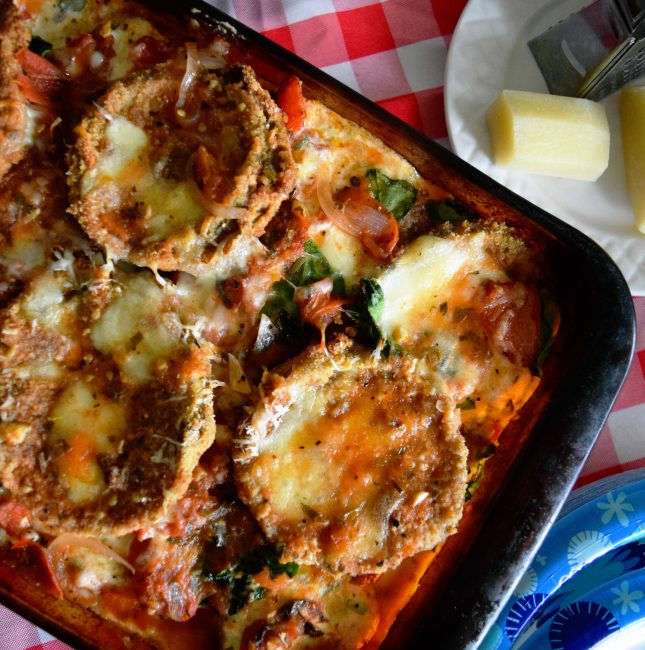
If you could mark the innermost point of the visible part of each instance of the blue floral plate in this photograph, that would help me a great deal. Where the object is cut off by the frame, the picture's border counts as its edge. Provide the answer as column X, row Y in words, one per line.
column 587, row 581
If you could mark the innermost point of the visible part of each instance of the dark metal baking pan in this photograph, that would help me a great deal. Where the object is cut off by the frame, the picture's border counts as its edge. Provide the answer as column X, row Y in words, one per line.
column 542, row 451
column 559, row 425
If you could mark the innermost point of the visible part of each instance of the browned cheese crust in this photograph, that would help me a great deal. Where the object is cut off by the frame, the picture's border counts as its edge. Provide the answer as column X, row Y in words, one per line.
column 86, row 443
column 352, row 463
column 14, row 118
column 224, row 155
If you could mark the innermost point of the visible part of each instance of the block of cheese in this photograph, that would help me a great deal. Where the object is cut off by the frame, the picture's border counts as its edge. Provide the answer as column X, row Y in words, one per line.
column 632, row 127
column 549, row 134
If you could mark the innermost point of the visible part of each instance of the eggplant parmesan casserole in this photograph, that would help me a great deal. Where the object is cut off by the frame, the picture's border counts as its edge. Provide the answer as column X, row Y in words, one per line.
column 251, row 362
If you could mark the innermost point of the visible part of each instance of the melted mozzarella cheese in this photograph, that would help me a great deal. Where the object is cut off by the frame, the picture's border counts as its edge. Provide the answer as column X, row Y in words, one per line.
column 135, row 330
column 436, row 274
column 167, row 205
column 310, row 465
column 344, row 253
column 350, row 150
column 43, row 302
column 125, row 35
column 47, row 305
column 171, row 206
column 126, row 142
column 89, row 424
column 27, row 251
column 433, row 270
column 60, row 22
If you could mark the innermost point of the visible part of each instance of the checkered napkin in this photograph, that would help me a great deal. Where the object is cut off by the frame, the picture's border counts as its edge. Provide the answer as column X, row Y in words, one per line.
column 393, row 52
column 621, row 445
column 18, row 634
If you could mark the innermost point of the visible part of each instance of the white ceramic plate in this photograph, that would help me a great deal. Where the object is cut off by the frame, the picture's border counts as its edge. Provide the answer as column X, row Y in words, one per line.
column 488, row 53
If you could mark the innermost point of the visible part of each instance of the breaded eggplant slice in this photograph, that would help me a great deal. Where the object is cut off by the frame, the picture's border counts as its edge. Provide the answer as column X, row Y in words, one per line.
column 34, row 229
column 105, row 401
column 312, row 610
column 477, row 326
column 352, row 463
column 16, row 122
column 167, row 173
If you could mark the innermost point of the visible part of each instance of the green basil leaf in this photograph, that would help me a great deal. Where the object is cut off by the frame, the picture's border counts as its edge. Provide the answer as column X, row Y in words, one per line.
column 475, row 478
column 267, row 556
column 309, row 268
column 366, row 313
column 398, row 196
column 243, row 593
column 239, row 577
column 281, row 298
column 476, row 472
column 339, row 288
column 282, row 310
column 373, row 298
column 367, row 309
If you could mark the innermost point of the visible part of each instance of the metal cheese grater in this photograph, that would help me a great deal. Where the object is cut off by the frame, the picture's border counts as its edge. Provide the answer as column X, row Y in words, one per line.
column 594, row 52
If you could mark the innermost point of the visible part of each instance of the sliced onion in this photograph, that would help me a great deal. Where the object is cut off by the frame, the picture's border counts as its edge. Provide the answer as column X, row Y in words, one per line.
column 215, row 54
column 67, row 541
column 328, row 206
column 211, row 59
column 371, row 221
column 190, row 74
column 376, row 228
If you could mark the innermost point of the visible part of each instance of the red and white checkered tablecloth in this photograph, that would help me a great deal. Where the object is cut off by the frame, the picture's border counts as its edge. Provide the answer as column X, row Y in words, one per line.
column 394, row 52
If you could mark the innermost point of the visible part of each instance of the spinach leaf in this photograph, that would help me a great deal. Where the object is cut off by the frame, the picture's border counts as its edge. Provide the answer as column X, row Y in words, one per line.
column 313, row 266
column 398, row 196
column 239, row 577
column 309, row 268
column 280, row 307
column 367, row 312
column 548, row 317
column 282, row 310
column 448, row 211
column 476, row 471
column 40, row 46
column 268, row 557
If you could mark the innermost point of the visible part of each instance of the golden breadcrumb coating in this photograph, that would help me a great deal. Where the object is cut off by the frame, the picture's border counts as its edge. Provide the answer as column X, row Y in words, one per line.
column 172, row 188
column 352, row 463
